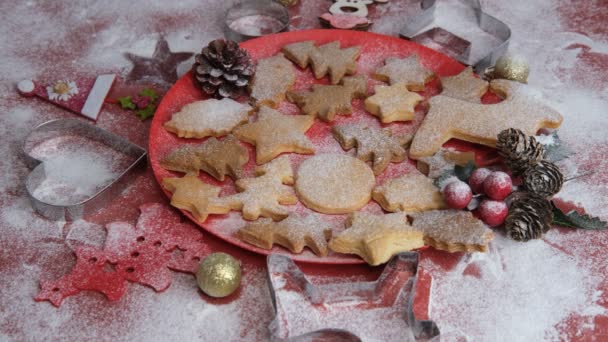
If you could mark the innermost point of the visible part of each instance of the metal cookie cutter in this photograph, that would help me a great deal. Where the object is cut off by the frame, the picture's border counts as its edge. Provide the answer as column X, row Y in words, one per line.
column 255, row 18
column 452, row 45
column 59, row 208
column 397, row 280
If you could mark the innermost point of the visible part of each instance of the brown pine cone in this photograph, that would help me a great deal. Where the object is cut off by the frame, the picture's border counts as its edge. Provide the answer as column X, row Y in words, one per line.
column 518, row 150
column 530, row 216
column 223, row 69
column 544, row 179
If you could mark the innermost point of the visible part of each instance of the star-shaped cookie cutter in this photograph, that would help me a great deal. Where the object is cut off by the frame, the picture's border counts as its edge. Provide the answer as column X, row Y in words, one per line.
column 291, row 292
column 452, row 45
column 61, row 208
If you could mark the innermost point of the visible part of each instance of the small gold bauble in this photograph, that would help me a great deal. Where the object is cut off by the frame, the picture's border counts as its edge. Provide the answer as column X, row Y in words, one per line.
column 218, row 275
column 512, row 68
column 288, row 3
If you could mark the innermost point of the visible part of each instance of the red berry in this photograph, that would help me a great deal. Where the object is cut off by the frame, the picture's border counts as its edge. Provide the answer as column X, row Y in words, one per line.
column 498, row 185
column 457, row 194
column 477, row 178
column 493, row 213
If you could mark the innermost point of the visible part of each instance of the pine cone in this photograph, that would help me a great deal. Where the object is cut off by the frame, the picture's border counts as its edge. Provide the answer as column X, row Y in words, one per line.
column 223, row 69
column 544, row 179
column 518, row 150
column 530, row 216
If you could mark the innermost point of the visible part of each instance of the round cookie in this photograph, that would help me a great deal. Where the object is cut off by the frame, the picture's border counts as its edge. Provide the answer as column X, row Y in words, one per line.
column 334, row 183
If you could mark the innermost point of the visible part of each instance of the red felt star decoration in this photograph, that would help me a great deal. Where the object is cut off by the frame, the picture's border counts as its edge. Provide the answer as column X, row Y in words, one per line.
column 142, row 254
column 378, row 310
column 161, row 68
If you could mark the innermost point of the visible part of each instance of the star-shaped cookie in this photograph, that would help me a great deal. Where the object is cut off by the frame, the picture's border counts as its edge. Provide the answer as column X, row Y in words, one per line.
column 274, row 133
column 216, row 157
column 210, row 117
column 326, row 101
column 373, row 144
column 453, row 230
column 478, row 123
column 410, row 192
column 294, row 233
column 392, row 103
column 376, row 238
column 265, row 194
column 404, row 70
column 325, row 59
column 464, row 86
column 195, row 196
column 273, row 77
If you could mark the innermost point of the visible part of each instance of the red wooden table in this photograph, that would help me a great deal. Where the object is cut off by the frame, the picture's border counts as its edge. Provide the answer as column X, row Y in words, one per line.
column 552, row 289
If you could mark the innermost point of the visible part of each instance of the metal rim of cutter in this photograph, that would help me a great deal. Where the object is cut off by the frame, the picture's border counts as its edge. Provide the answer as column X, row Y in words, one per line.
column 485, row 22
column 59, row 127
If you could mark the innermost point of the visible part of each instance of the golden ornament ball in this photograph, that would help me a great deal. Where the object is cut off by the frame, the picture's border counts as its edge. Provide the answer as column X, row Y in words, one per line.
column 288, row 3
column 218, row 275
column 512, row 68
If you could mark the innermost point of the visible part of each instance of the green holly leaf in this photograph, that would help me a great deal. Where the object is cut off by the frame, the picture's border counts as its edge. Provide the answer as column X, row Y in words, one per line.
column 150, row 93
column 126, row 103
column 557, row 150
column 464, row 172
column 443, row 177
column 147, row 112
column 573, row 219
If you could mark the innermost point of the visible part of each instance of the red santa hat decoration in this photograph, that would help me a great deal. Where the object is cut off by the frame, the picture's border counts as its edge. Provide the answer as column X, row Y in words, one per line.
column 83, row 96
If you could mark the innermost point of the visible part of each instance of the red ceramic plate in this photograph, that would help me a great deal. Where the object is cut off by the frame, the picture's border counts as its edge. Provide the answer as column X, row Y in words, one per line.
column 375, row 49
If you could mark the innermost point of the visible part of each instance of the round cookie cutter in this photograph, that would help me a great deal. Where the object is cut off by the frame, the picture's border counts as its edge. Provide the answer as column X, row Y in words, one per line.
column 255, row 18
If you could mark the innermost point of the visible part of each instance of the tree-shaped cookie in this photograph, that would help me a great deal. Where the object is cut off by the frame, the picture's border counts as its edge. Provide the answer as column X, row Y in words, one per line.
column 325, row 101
column 216, row 157
column 265, row 194
column 410, row 192
column 373, row 144
column 376, row 238
column 274, row 133
column 392, row 103
column 273, row 77
column 208, row 118
column 453, row 230
column 449, row 118
column 325, row 59
column 404, row 70
column 294, row 233
column 464, row 86
column 195, row 196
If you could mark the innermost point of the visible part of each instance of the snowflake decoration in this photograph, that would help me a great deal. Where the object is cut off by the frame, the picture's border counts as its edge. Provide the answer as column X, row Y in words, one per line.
column 62, row 90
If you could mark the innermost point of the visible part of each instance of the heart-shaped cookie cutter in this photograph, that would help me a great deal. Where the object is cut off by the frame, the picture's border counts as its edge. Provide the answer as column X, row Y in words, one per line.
column 426, row 16
column 58, row 210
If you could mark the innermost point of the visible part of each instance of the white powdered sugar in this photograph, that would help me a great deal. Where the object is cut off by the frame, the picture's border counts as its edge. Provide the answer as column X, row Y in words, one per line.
column 515, row 292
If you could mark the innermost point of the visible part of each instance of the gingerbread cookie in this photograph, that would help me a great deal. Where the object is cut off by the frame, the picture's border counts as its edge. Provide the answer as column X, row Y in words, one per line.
column 375, row 144
column 299, row 53
column 294, row 233
column 376, row 238
column 334, row 183
column 464, row 86
column 274, row 133
column 393, row 103
column 265, row 194
column 325, row 101
column 325, row 59
column 216, row 157
column 407, row 70
column 479, row 123
column 453, row 230
column 195, row 196
column 273, row 77
column 208, row 118
column 411, row 192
